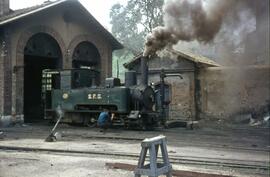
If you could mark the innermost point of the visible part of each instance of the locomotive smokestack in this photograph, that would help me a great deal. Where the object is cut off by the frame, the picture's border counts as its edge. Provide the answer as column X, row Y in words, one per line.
column 144, row 71
column 130, row 78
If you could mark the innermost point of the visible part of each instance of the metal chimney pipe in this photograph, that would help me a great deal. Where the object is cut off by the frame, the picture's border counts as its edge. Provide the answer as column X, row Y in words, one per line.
column 144, row 71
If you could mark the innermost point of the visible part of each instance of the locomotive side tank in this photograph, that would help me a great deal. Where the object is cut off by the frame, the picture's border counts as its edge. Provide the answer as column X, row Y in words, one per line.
column 92, row 99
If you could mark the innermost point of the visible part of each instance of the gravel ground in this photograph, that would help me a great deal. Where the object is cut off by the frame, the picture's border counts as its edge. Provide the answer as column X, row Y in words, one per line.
column 47, row 165
column 242, row 144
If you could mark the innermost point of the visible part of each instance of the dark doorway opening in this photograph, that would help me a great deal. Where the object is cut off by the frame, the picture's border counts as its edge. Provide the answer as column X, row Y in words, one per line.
column 41, row 52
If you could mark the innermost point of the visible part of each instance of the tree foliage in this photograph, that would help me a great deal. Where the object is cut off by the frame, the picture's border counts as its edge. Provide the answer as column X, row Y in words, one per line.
column 131, row 23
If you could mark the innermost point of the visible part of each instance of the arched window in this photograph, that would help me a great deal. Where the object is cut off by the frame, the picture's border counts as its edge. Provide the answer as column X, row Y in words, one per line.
column 86, row 55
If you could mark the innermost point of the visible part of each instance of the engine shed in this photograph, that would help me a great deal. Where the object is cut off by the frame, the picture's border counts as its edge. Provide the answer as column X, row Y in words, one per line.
column 54, row 35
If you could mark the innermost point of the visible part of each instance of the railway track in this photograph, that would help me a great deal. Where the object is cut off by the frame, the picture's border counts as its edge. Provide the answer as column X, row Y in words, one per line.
column 75, row 136
column 201, row 144
column 180, row 160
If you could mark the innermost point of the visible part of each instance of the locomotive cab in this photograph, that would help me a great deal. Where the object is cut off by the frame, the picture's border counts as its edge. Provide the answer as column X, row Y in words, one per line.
column 68, row 79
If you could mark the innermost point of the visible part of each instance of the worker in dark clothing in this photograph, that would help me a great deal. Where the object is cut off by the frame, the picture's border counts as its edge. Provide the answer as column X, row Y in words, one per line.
column 104, row 120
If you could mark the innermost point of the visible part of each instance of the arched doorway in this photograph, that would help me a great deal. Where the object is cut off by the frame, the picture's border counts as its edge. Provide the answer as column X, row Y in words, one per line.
column 86, row 55
column 41, row 52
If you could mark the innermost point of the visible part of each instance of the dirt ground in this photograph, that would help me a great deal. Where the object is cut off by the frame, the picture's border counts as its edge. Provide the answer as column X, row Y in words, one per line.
column 83, row 151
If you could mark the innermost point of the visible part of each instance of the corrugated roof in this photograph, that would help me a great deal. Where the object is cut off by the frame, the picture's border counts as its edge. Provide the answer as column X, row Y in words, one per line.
column 21, row 13
column 204, row 61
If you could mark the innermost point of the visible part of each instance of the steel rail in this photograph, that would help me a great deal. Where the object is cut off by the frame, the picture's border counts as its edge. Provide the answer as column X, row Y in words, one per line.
column 174, row 160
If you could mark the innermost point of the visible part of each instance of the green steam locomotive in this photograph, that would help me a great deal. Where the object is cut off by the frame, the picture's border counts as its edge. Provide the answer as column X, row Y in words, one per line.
column 82, row 98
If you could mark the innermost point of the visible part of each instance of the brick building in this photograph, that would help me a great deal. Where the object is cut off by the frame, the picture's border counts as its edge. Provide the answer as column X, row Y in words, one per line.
column 58, row 34
column 209, row 90
column 183, row 92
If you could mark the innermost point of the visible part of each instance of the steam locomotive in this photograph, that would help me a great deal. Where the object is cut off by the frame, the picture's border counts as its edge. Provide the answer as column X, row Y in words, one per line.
column 82, row 100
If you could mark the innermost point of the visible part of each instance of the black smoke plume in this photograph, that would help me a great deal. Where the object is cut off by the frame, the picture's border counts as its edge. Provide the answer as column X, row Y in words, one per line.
column 188, row 20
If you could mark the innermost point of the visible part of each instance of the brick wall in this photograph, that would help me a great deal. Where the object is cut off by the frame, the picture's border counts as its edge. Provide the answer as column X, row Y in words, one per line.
column 7, row 73
column 182, row 106
column 1, row 78
column 226, row 92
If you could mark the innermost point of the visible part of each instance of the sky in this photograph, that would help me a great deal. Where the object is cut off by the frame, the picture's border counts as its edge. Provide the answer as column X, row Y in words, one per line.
column 100, row 9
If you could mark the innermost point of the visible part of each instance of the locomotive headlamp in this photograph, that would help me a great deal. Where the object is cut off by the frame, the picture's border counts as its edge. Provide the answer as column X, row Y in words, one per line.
column 65, row 96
